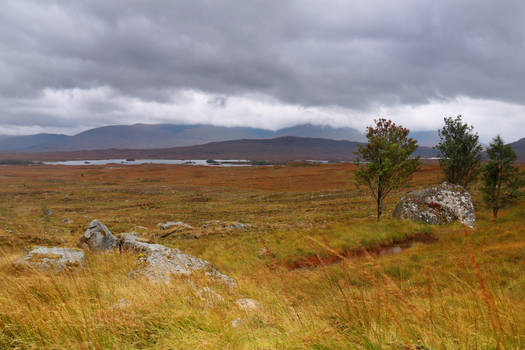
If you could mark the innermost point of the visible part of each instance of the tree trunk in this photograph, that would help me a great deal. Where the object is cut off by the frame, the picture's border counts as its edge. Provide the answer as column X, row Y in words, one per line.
column 379, row 208
column 498, row 190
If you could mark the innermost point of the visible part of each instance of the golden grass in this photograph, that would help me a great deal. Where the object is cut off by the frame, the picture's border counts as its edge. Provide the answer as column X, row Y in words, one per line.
column 461, row 292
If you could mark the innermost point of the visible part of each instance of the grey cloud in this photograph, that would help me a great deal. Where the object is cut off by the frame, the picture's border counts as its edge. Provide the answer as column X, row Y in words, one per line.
column 218, row 101
column 354, row 54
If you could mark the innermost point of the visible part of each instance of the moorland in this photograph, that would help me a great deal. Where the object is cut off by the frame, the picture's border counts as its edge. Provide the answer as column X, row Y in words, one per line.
column 325, row 274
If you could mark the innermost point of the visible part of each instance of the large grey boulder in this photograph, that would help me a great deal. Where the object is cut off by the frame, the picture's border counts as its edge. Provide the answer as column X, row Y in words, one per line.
column 52, row 259
column 155, row 261
column 158, row 262
column 97, row 237
column 437, row 205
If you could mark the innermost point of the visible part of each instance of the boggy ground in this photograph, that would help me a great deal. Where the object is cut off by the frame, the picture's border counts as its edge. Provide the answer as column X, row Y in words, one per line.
column 447, row 289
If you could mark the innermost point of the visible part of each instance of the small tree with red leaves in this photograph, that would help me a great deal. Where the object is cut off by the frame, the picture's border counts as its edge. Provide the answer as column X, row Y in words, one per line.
column 385, row 162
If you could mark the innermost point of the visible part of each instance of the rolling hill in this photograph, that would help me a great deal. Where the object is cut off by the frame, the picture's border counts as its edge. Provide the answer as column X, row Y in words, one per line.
column 425, row 138
column 519, row 148
column 151, row 136
column 277, row 149
column 29, row 142
column 159, row 137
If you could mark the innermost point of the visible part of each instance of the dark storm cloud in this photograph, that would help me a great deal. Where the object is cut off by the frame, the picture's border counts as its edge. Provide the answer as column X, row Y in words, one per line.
column 351, row 54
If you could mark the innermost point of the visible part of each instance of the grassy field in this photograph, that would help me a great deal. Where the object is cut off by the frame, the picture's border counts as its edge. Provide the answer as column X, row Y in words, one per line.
column 302, row 259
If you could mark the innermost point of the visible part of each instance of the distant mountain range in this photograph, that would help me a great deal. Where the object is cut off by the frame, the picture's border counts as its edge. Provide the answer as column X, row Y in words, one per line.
column 164, row 138
column 150, row 136
column 277, row 149
column 519, row 148
column 29, row 142
column 425, row 138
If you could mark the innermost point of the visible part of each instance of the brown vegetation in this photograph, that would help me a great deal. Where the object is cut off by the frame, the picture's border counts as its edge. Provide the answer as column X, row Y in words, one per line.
column 459, row 292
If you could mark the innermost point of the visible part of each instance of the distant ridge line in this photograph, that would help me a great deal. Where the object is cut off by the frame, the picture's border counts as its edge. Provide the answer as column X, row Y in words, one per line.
column 155, row 136
column 284, row 148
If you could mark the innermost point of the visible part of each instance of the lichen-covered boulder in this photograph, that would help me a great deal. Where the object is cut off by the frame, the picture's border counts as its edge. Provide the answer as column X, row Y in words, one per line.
column 158, row 262
column 437, row 205
column 97, row 237
column 51, row 259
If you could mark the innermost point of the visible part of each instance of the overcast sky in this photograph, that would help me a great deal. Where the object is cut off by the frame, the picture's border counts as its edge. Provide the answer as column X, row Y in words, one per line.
column 66, row 66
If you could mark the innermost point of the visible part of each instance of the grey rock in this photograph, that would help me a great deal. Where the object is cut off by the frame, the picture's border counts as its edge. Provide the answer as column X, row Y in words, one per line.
column 97, row 237
column 248, row 304
column 237, row 322
column 158, row 262
column 122, row 303
column 52, row 258
column 240, row 225
column 169, row 224
column 232, row 225
column 437, row 205
column 67, row 221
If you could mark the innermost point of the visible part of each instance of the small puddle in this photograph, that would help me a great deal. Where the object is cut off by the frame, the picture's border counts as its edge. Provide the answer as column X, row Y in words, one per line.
column 393, row 250
column 395, row 247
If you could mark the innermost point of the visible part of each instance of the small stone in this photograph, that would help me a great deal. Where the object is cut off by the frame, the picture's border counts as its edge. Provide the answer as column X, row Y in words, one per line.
column 67, row 221
column 237, row 322
column 240, row 225
column 247, row 304
column 221, row 226
column 167, row 225
column 265, row 252
column 123, row 303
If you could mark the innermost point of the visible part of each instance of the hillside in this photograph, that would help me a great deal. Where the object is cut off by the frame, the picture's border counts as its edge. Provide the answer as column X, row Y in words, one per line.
column 30, row 142
column 425, row 138
column 144, row 136
column 277, row 149
column 150, row 136
column 323, row 132
column 519, row 148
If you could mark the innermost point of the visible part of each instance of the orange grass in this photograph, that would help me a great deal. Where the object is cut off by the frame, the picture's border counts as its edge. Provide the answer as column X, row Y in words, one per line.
column 460, row 292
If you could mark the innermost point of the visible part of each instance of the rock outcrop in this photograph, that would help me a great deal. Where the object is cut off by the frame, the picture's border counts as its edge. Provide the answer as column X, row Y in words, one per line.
column 437, row 205
column 54, row 259
column 155, row 261
column 97, row 237
column 177, row 224
column 158, row 262
column 230, row 225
